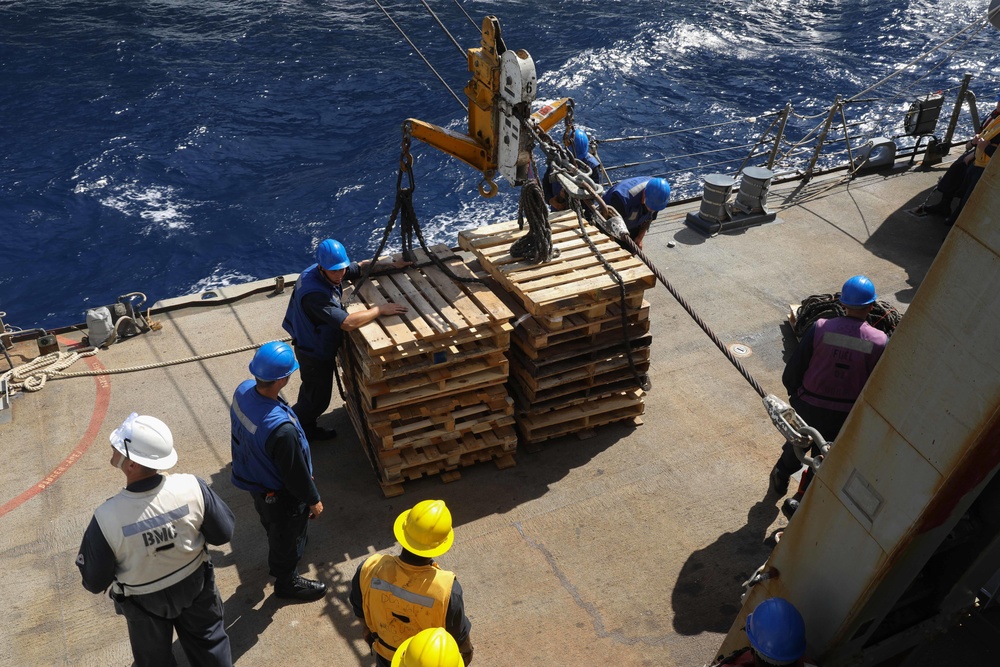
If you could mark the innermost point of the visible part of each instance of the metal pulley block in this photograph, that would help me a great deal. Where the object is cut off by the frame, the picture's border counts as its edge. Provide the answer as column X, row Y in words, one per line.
column 579, row 185
column 613, row 226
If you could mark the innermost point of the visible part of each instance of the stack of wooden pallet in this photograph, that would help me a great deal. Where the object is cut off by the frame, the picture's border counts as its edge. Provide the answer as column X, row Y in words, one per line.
column 570, row 370
column 425, row 390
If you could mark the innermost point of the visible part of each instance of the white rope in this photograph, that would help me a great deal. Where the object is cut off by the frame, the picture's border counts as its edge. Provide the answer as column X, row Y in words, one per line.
column 32, row 375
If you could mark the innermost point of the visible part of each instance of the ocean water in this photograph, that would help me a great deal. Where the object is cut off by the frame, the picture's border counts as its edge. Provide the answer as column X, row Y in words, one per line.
column 172, row 146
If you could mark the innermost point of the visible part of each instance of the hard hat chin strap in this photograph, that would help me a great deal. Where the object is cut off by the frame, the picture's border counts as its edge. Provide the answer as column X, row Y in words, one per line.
column 125, row 456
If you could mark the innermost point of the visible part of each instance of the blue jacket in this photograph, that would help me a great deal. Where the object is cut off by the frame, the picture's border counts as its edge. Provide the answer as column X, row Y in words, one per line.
column 253, row 418
column 626, row 198
column 315, row 337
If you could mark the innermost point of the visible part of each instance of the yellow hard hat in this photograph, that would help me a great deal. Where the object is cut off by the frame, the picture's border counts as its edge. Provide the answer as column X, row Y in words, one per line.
column 425, row 530
column 432, row 647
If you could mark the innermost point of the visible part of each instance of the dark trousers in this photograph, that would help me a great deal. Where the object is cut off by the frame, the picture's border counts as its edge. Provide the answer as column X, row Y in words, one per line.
column 193, row 608
column 827, row 422
column 972, row 176
column 316, row 389
column 952, row 182
column 286, row 521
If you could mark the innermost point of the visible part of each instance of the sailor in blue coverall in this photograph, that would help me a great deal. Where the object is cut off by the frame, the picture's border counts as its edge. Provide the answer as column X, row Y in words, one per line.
column 638, row 200
column 316, row 319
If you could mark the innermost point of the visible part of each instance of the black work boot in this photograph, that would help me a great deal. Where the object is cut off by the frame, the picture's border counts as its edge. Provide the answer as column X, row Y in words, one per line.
column 299, row 588
column 790, row 506
column 777, row 482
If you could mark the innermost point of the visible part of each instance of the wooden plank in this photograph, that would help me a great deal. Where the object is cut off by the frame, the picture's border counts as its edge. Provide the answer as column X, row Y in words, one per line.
column 406, row 284
column 416, row 314
column 580, row 418
column 454, row 318
column 444, row 387
column 594, row 288
column 471, row 313
column 480, row 293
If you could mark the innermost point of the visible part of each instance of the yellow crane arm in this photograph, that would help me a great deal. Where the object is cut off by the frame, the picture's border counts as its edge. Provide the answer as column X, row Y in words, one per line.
column 500, row 93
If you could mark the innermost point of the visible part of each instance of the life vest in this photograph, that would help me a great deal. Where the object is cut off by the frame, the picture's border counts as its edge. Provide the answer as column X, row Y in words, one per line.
column 626, row 198
column 252, row 419
column 989, row 133
column 400, row 600
column 845, row 350
column 317, row 339
column 155, row 535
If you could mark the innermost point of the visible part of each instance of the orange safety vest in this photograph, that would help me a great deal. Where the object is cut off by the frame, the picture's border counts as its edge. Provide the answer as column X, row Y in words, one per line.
column 987, row 133
column 400, row 600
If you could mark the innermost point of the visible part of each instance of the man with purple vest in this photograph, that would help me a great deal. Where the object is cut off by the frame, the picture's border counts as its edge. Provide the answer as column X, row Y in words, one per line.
column 828, row 370
column 316, row 320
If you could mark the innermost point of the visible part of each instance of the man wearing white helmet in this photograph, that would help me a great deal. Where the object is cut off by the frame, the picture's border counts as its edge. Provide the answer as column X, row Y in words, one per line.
column 148, row 544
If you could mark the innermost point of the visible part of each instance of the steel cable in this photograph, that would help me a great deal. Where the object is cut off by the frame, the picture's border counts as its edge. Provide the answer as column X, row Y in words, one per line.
column 634, row 249
column 426, row 62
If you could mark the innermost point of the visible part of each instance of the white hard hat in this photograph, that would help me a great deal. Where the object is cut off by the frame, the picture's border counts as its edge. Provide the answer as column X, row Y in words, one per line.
column 145, row 440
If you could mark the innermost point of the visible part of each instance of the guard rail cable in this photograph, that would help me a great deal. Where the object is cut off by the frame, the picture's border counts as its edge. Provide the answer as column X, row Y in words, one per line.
column 32, row 375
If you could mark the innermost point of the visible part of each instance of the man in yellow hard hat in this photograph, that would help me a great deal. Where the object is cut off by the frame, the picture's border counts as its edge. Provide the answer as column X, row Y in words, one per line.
column 398, row 596
column 432, row 647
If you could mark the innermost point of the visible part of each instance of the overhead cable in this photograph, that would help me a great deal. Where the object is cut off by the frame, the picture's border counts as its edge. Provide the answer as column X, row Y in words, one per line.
column 441, row 25
column 426, row 62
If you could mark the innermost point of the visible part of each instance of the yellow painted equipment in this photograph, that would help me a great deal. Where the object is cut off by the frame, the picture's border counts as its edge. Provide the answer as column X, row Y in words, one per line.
column 500, row 94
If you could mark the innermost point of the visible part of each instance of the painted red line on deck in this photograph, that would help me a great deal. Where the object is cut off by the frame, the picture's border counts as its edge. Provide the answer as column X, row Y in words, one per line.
column 101, row 403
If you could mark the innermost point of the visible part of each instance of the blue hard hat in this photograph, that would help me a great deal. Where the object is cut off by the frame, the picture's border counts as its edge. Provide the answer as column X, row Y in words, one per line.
column 777, row 631
column 857, row 292
column 331, row 255
column 657, row 194
column 581, row 144
column 273, row 361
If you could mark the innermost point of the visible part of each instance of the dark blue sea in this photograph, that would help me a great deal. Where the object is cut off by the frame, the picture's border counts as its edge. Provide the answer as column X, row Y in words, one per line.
column 171, row 146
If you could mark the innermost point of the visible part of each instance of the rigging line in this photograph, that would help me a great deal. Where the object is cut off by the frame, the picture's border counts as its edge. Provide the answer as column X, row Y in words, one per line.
column 676, row 157
column 905, row 67
column 751, row 119
column 426, row 62
column 466, row 14
column 630, row 245
column 441, row 25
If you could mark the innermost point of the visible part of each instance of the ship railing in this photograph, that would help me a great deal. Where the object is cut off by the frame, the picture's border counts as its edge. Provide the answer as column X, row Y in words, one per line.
column 793, row 143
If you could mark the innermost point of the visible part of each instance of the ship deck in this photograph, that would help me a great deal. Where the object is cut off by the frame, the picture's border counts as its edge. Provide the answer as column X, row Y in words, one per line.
column 625, row 548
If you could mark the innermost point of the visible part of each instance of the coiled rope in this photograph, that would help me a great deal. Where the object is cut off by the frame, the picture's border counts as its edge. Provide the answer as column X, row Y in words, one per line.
column 536, row 245
column 883, row 316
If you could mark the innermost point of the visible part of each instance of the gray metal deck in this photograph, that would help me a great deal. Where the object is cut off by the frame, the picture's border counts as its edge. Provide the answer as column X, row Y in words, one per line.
column 627, row 548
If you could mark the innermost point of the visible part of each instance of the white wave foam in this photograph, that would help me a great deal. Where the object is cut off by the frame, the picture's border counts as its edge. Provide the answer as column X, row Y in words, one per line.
column 220, row 277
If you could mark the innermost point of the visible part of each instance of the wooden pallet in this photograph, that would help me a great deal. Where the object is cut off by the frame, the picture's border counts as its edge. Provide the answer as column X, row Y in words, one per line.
column 435, row 429
column 571, row 283
column 564, row 396
column 557, row 360
column 530, row 334
column 575, row 418
column 495, row 397
column 438, row 356
column 442, row 311
column 578, row 370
